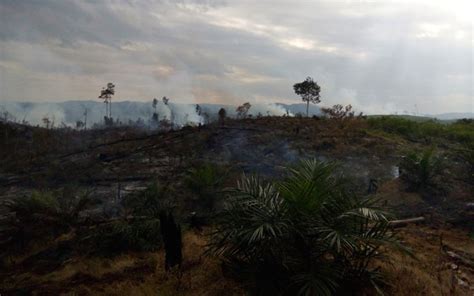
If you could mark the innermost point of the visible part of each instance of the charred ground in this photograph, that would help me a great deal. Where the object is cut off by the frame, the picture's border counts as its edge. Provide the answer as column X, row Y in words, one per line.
column 111, row 164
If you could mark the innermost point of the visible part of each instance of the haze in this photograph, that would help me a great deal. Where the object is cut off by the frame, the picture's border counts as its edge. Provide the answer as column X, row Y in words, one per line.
column 380, row 56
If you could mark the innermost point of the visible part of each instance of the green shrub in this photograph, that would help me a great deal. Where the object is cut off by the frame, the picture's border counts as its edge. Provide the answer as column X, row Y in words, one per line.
column 419, row 169
column 461, row 131
column 306, row 235
column 148, row 203
column 205, row 182
column 42, row 216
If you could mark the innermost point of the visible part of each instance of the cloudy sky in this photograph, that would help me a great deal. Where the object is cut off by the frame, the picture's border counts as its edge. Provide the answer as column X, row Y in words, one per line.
column 381, row 56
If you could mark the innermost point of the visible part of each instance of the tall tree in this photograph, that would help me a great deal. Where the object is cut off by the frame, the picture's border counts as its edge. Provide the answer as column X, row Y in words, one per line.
column 106, row 93
column 154, row 117
column 309, row 91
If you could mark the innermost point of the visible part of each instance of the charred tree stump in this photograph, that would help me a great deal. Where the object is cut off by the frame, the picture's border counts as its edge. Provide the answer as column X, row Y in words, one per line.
column 171, row 232
column 373, row 186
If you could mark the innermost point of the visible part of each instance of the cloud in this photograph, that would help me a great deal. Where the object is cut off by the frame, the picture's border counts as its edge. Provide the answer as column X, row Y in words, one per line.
column 379, row 55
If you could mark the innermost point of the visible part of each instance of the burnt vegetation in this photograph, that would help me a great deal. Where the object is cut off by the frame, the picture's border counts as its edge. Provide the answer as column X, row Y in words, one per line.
column 265, row 205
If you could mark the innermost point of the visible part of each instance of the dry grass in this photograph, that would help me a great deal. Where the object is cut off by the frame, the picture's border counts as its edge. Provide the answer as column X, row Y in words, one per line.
column 131, row 274
column 433, row 272
column 430, row 273
column 143, row 274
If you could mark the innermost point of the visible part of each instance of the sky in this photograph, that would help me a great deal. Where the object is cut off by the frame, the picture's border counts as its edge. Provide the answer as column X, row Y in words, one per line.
column 380, row 56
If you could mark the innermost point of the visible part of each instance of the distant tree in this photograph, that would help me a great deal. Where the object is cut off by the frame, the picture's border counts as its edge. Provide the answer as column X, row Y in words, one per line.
column 106, row 94
column 154, row 117
column 339, row 112
column 79, row 124
column 165, row 100
column 5, row 115
column 243, row 110
column 309, row 91
column 109, row 121
column 85, row 118
column 198, row 110
column 222, row 115
column 46, row 121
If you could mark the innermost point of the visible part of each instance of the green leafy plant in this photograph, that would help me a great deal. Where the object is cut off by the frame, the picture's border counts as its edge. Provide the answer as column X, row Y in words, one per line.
column 148, row 203
column 309, row 90
column 418, row 128
column 419, row 169
column 42, row 215
column 205, row 181
column 306, row 235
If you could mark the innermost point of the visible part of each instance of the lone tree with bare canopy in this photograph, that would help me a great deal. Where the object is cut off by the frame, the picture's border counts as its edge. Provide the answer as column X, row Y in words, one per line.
column 309, row 92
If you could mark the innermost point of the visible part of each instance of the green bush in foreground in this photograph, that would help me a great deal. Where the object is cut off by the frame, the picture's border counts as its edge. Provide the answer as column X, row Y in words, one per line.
column 306, row 235
column 41, row 216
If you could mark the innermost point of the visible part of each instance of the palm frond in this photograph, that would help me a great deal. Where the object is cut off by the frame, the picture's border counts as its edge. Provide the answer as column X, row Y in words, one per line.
column 310, row 225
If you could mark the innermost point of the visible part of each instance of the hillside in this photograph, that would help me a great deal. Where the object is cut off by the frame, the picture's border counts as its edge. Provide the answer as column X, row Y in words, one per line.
column 116, row 165
column 126, row 112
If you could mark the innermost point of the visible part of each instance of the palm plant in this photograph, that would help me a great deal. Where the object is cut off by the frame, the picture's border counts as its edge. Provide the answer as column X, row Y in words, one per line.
column 306, row 235
column 205, row 181
column 420, row 168
column 42, row 215
column 149, row 202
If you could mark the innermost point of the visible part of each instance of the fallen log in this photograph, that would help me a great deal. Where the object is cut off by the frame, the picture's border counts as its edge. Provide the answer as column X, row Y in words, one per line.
column 405, row 222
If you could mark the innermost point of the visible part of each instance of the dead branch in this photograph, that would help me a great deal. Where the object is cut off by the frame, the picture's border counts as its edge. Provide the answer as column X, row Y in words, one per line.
column 405, row 222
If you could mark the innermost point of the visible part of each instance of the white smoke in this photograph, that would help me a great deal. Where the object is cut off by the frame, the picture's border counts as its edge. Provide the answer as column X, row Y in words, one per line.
column 268, row 110
column 125, row 112
column 33, row 113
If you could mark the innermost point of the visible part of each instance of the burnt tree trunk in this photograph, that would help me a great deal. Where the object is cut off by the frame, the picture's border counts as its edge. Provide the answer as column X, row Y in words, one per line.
column 171, row 233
